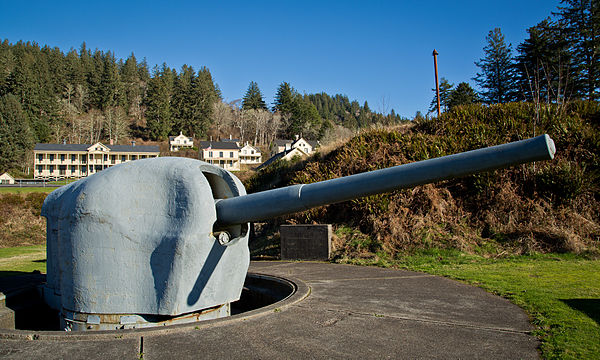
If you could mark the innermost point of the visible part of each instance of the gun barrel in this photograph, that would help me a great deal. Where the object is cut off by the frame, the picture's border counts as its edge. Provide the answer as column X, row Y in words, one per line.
column 272, row 203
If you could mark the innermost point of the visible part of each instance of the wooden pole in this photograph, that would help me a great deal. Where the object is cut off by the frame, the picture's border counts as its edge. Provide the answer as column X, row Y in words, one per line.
column 437, row 84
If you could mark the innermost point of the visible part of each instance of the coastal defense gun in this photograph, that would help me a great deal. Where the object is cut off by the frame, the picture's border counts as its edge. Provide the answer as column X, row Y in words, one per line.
column 165, row 240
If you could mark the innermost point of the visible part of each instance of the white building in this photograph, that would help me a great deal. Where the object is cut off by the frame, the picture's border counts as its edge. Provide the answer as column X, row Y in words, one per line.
column 225, row 154
column 59, row 161
column 6, row 179
column 180, row 141
column 250, row 155
column 307, row 146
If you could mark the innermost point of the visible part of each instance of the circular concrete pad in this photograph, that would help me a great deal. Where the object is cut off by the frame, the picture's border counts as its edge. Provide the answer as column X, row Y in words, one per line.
column 338, row 311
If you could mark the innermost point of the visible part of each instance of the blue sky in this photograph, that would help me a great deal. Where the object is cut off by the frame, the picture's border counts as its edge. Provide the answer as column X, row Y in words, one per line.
column 379, row 51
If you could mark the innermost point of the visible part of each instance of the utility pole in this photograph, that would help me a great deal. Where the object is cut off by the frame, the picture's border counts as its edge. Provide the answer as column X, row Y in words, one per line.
column 437, row 84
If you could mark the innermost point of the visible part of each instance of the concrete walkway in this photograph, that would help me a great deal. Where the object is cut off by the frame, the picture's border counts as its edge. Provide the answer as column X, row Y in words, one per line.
column 338, row 311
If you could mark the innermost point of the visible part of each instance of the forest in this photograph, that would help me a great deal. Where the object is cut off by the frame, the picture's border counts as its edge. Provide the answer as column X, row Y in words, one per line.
column 85, row 96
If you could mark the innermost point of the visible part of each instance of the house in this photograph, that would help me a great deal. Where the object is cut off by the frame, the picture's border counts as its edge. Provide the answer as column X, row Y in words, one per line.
column 180, row 141
column 6, row 179
column 286, row 155
column 250, row 155
column 225, row 154
column 307, row 146
column 59, row 161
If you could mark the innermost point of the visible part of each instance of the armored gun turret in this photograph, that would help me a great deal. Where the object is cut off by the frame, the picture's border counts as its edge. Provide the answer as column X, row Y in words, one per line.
column 166, row 239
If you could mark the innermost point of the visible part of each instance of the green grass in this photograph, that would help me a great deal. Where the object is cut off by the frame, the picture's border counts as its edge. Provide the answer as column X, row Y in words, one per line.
column 561, row 293
column 16, row 260
column 26, row 190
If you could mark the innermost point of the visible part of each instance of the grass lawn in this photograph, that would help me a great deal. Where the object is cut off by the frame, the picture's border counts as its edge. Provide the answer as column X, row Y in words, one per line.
column 561, row 293
column 16, row 260
column 26, row 190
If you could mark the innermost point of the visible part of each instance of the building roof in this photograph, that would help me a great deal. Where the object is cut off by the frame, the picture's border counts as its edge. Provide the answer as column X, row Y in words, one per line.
column 282, row 142
column 278, row 156
column 172, row 138
column 219, row 145
column 84, row 147
column 313, row 143
column 251, row 147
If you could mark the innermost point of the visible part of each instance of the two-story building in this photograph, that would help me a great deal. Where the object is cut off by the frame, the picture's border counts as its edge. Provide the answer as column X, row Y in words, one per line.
column 59, row 161
column 180, row 141
column 250, row 155
column 307, row 146
column 225, row 154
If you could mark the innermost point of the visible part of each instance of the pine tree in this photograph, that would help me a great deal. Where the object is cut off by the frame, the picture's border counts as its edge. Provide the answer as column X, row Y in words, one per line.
column 284, row 98
column 581, row 19
column 15, row 136
column 445, row 90
column 159, row 113
column 253, row 98
column 497, row 77
column 462, row 95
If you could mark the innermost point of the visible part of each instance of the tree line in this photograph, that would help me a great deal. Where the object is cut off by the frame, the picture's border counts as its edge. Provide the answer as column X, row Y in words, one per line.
column 557, row 62
column 85, row 96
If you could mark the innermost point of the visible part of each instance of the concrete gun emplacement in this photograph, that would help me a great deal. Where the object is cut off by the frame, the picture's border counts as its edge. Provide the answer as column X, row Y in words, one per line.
column 167, row 238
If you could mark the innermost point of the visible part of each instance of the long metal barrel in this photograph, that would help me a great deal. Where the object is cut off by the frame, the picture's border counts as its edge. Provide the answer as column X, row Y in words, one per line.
column 272, row 203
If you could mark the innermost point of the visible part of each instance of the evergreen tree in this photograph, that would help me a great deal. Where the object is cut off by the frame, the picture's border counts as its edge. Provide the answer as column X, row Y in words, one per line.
column 285, row 98
column 204, row 93
column 544, row 64
column 15, row 136
column 497, row 77
column 253, row 98
column 462, row 95
column 445, row 90
column 581, row 19
column 159, row 115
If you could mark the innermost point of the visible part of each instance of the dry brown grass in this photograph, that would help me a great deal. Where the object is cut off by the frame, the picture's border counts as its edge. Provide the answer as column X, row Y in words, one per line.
column 20, row 220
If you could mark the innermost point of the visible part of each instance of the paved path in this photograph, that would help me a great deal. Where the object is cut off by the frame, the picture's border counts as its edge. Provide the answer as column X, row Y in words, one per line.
column 339, row 311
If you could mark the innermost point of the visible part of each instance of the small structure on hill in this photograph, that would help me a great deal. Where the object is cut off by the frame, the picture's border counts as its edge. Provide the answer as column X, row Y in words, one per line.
column 286, row 155
column 6, row 179
column 307, row 146
column 180, row 141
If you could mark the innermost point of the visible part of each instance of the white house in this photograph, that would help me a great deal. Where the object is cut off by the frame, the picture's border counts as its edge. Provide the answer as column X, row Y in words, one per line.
column 307, row 146
column 180, row 141
column 6, row 179
column 250, row 155
column 225, row 154
column 286, row 155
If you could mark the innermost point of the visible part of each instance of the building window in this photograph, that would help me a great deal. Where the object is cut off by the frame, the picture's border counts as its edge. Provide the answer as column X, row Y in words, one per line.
column 105, row 157
column 72, row 169
column 40, row 157
column 123, row 157
column 231, row 154
column 40, row 168
column 220, row 154
column 133, row 157
column 143, row 156
column 51, row 169
column 84, row 158
column 51, row 157
column 112, row 159
column 210, row 154
column 62, row 157
column 73, row 157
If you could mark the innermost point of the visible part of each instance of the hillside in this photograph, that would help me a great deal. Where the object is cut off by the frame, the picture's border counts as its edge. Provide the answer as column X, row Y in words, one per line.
column 542, row 207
